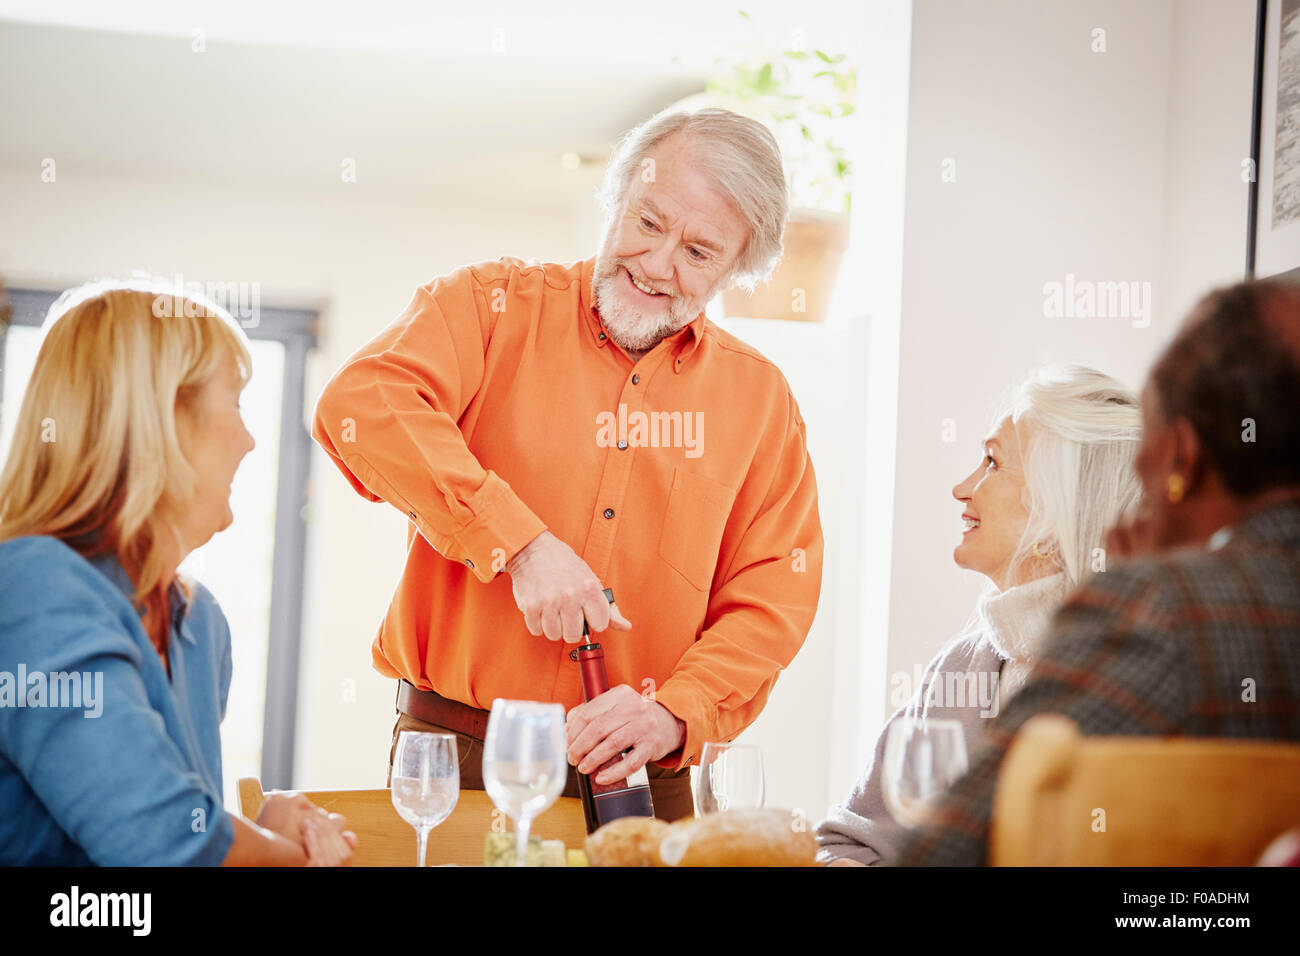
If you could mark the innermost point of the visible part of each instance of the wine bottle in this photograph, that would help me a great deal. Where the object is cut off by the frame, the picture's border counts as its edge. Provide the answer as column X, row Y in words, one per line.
column 622, row 798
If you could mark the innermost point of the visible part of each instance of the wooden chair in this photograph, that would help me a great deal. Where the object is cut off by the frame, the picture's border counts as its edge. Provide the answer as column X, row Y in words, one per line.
column 385, row 839
column 1162, row 801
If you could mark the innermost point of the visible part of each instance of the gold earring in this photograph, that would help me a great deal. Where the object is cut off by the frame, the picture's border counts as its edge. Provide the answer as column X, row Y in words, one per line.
column 1175, row 491
column 1050, row 551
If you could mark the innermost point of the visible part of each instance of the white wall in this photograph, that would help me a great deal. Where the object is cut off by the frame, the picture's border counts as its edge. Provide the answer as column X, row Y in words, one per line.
column 1117, row 165
column 1211, row 68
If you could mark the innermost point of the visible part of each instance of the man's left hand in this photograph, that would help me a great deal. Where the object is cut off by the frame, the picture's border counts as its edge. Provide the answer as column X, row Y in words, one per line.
column 620, row 718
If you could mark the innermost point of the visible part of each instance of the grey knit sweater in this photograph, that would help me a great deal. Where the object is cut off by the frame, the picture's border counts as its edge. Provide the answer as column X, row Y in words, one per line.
column 968, row 681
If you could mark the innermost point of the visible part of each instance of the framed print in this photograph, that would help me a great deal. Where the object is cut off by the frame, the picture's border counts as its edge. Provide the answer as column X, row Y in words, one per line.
column 1273, row 247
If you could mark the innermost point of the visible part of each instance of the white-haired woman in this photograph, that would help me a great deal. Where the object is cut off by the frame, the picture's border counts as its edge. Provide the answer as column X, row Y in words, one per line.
column 1054, row 476
column 123, row 454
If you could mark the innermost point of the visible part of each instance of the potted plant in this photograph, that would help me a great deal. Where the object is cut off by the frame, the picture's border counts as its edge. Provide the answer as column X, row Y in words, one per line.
column 803, row 98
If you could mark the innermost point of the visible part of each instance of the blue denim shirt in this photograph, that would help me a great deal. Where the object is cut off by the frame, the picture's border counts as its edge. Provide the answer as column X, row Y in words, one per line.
column 104, row 759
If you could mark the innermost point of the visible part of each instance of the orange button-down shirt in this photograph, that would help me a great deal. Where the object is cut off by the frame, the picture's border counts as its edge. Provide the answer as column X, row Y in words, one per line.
column 495, row 407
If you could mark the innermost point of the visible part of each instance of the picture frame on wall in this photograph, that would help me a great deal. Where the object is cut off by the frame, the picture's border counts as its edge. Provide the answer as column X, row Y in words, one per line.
column 1273, row 239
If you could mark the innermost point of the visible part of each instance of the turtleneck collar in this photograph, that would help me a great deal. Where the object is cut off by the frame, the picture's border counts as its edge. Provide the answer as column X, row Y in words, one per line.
column 1016, row 619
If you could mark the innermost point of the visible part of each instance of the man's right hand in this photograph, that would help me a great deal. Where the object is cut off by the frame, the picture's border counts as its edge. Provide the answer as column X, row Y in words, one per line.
column 556, row 591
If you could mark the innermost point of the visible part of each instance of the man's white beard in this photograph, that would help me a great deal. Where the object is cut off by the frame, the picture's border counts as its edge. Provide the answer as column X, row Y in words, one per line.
column 631, row 328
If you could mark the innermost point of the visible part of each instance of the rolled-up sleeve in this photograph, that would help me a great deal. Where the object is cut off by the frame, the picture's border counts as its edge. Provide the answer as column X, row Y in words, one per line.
column 389, row 420
column 759, row 615
column 115, row 782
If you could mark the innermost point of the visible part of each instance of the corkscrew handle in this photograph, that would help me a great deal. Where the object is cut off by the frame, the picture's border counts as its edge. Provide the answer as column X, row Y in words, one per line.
column 609, row 596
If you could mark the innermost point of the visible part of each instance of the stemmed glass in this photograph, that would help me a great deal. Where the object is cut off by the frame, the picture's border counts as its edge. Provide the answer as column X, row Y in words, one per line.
column 730, row 778
column 426, row 781
column 923, row 758
column 525, row 765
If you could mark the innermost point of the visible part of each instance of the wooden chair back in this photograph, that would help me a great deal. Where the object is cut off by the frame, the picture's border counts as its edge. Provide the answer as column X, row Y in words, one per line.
column 1063, row 799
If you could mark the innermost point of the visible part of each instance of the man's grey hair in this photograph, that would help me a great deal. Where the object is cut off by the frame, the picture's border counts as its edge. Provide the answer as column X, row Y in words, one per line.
column 740, row 155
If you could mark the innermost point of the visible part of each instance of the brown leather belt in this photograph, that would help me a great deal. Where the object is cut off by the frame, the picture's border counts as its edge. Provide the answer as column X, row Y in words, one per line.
column 433, row 708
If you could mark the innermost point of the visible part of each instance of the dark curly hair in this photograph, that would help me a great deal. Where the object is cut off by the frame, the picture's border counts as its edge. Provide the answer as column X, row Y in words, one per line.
column 1237, row 358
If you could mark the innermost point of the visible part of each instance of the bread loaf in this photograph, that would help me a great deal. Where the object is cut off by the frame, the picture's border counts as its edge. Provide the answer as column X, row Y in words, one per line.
column 627, row 841
column 739, row 838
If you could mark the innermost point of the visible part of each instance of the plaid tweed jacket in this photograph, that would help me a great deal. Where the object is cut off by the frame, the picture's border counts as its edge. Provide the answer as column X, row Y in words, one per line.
column 1195, row 643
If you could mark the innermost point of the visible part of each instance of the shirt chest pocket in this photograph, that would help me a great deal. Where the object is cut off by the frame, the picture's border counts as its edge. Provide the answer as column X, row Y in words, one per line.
column 695, row 519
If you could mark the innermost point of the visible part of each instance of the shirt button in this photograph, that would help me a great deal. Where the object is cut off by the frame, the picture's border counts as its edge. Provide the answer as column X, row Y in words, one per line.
column 469, row 564
column 622, row 446
column 609, row 512
column 636, row 379
column 602, row 336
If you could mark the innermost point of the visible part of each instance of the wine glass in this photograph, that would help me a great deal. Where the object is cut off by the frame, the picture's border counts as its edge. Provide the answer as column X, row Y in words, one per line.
column 525, row 762
column 730, row 778
column 426, row 781
column 923, row 758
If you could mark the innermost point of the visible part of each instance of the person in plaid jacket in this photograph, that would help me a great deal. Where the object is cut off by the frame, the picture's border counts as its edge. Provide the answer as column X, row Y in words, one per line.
column 1197, row 633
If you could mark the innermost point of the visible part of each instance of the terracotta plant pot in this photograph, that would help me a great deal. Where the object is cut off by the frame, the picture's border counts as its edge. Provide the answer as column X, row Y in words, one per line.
column 801, row 287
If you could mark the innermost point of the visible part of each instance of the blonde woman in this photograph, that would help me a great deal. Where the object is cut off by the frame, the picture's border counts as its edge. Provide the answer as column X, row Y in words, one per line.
column 1054, row 475
column 118, row 669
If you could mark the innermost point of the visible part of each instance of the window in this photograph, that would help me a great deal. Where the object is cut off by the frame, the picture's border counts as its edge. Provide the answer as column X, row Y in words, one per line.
column 255, row 568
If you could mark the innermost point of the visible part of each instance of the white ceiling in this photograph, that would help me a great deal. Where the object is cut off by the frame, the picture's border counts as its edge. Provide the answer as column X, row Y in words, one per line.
column 422, row 101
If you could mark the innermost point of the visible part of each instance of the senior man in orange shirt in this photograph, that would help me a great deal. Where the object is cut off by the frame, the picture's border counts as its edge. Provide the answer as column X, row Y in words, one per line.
column 579, row 426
